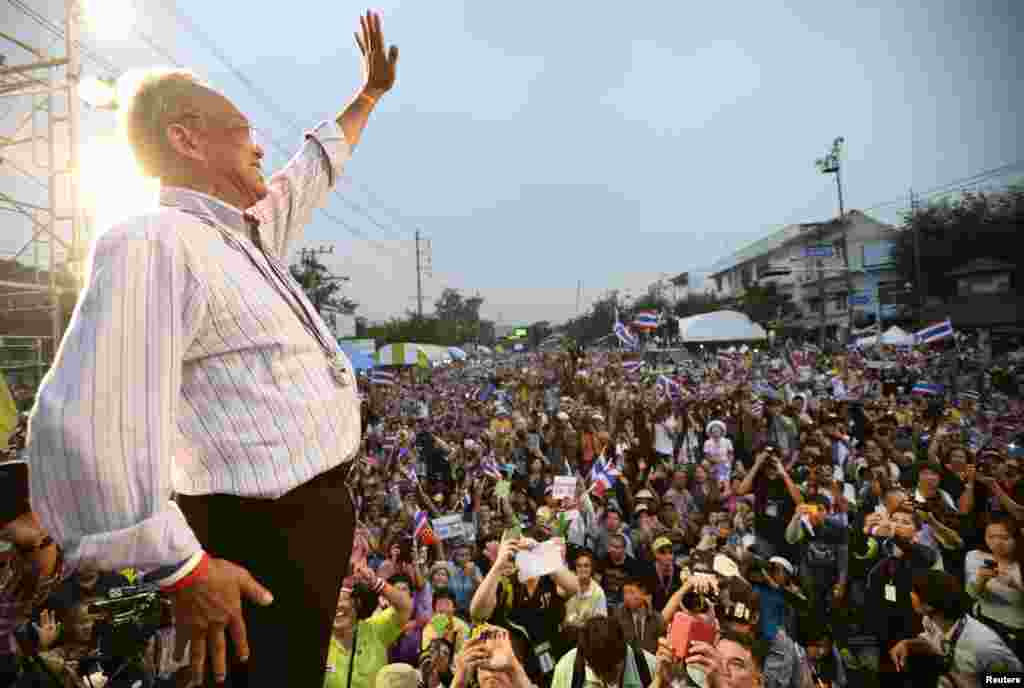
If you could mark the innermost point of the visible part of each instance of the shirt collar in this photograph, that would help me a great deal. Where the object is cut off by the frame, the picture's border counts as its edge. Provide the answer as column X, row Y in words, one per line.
column 198, row 202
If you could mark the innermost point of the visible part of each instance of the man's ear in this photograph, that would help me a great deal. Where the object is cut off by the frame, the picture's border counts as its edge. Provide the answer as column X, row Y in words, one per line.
column 184, row 142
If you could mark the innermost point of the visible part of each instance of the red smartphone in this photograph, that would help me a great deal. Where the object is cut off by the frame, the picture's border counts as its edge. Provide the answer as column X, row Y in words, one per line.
column 13, row 491
column 686, row 629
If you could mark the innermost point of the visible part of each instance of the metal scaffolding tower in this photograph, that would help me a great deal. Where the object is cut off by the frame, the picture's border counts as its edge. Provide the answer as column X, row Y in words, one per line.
column 42, row 89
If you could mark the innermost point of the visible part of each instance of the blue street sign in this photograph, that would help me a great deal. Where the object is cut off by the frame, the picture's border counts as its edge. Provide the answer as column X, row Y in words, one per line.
column 821, row 251
column 860, row 299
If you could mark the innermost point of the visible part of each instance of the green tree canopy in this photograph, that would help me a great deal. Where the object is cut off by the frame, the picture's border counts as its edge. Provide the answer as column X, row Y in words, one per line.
column 956, row 232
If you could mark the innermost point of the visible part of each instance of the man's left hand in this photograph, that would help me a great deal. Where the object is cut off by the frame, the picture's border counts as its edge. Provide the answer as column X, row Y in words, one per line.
column 378, row 65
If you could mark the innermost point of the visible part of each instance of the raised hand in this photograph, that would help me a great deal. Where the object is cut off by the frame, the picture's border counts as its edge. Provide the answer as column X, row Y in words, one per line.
column 378, row 65
column 48, row 629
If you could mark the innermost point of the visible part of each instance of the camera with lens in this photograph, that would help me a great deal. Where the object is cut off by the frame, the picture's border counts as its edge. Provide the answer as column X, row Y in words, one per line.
column 699, row 603
column 129, row 617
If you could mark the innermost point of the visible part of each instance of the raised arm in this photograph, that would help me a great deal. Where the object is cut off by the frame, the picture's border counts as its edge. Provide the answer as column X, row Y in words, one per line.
column 485, row 599
column 379, row 64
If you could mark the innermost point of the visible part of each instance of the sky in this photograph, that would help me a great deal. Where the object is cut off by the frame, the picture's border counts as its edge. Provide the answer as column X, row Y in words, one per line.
column 540, row 146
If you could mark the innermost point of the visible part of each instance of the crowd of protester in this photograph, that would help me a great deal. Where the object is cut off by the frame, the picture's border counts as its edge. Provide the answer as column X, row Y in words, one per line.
column 836, row 520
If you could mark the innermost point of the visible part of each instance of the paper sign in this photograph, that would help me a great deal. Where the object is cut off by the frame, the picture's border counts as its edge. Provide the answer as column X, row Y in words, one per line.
column 452, row 526
column 564, row 487
column 542, row 560
column 502, row 489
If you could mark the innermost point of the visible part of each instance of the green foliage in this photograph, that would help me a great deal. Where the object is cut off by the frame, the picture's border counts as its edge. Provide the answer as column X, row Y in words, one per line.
column 600, row 321
column 764, row 303
column 321, row 286
column 953, row 233
column 455, row 321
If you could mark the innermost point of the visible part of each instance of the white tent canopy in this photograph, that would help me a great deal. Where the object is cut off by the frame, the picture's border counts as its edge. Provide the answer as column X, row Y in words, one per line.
column 402, row 354
column 894, row 336
column 720, row 326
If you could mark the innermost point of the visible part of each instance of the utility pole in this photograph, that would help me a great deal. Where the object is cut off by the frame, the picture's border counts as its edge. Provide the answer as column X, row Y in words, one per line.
column 579, row 296
column 821, row 292
column 918, row 286
column 830, row 164
column 419, row 279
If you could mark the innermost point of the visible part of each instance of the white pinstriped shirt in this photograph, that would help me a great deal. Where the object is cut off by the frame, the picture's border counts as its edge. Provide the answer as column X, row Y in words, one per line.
column 183, row 370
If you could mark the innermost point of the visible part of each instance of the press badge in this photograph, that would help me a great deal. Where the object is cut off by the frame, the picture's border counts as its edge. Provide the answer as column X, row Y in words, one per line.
column 543, row 652
column 772, row 510
column 890, row 592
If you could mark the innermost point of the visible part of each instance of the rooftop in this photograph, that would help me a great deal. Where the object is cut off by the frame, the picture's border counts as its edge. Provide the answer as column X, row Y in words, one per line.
column 772, row 242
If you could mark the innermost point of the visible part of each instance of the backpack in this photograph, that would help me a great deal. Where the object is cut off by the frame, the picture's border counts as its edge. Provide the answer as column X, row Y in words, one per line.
column 579, row 668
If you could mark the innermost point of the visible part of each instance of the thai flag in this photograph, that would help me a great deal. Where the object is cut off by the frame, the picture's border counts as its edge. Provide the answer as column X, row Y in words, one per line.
column 646, row 320
column 668, row 387
column 927, row 389
column 934, row 333
column 423, row 532
column 604, row 477
column 624, row 335
column 632, row 366
column 490, row 468
column 382, row 377
column 757, row 408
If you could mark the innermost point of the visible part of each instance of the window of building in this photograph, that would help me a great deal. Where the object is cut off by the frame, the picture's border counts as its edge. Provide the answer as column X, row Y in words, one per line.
column 984, row 284
column 838, row 302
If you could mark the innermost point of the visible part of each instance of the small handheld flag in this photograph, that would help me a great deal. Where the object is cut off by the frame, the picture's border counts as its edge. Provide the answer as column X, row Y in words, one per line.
column 423, row 532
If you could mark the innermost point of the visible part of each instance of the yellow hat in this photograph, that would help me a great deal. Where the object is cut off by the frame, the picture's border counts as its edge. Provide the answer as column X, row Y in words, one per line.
column 660, row 543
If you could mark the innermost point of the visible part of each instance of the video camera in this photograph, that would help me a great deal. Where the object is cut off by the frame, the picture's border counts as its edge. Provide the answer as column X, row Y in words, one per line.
column 129, row 617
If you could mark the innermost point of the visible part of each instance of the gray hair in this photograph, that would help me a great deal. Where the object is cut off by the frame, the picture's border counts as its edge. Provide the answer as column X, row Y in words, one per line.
column 161, row 97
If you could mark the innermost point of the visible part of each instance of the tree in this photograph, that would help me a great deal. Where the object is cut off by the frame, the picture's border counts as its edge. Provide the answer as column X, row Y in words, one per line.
column 952, row 233
column 697, row 304
column 764, row 303
column 321, row 286
column 538, row 332
column 455, row 321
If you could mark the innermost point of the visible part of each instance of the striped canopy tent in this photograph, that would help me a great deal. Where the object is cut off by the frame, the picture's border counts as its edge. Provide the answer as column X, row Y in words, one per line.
column 435, row 353
column 402, row 354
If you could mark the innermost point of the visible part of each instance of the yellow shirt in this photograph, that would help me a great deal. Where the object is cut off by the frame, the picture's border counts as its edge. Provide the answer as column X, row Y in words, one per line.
column 375, row 636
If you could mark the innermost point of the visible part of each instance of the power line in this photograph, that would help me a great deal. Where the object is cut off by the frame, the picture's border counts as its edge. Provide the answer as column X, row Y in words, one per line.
column 938, row 190
column 155, row 47
column 110, row 67
column 282, row 116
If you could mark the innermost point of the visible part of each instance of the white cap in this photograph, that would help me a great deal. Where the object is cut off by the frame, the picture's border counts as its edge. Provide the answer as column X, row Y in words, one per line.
column 784, row 563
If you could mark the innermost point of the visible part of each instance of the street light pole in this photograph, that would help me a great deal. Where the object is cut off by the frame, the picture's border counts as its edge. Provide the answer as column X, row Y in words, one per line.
column 831, row 164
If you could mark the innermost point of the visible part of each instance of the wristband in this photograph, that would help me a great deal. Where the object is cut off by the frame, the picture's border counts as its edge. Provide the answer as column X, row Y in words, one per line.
column 193, row 576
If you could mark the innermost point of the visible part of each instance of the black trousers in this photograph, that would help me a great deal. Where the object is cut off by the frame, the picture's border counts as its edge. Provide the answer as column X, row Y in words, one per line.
column 298, row 547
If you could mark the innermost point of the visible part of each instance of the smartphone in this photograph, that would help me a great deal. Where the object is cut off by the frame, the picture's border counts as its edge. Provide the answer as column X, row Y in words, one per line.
column 13, row 491
column 989, row 564
column 686, row 629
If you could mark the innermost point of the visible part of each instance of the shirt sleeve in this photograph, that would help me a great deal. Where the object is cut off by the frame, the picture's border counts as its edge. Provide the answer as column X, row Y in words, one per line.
column 385, row 624
column 103, row 431
column 301, row 186
column 997, row 658
column 600, row 603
